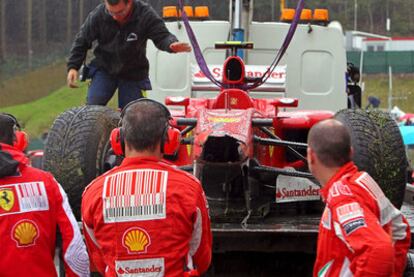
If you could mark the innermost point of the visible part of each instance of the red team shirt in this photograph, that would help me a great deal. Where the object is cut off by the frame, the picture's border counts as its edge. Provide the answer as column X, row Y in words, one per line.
column 146, row 218
column 32, row 206
column 361, row 233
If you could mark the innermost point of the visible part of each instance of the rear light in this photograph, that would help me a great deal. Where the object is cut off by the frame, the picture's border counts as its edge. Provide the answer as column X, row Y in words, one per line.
column 201, row 12
column 306, row 15
column 188, row 10
column 287, row 15
column 169, row 12
column 173, row 12
column 321, row 16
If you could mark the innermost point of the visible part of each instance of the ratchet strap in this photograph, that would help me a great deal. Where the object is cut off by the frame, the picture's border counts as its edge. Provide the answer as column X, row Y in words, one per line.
column 202, row 62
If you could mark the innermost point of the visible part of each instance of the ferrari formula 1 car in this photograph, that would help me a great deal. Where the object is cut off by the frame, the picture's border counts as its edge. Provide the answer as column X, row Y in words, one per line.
column 249, row 154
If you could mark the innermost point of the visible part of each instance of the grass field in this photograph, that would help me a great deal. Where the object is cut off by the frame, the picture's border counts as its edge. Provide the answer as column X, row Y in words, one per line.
column 38, row 116
column 403, row 90
column 32, row 85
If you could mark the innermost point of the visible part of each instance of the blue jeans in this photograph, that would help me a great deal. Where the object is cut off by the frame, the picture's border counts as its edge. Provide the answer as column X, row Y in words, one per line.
column 103, row 87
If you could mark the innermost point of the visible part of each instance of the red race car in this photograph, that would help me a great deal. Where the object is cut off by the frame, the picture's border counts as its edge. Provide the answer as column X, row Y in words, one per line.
column 250, row 155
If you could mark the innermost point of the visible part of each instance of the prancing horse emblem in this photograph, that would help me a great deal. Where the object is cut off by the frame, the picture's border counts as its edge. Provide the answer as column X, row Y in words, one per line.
column 6, row 199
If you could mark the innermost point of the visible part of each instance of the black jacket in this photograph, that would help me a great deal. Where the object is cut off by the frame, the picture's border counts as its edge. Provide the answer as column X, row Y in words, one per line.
column 121, row 50
column 8, row 163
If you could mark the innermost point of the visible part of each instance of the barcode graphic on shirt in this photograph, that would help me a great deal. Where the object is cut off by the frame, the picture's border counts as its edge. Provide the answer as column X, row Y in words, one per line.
column 32, row 197
column 131, row 211
column 135, row 195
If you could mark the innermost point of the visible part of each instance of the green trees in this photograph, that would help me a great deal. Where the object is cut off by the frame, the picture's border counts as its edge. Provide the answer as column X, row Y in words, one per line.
column 371, row 15
column 34, row 33
column 38, row 32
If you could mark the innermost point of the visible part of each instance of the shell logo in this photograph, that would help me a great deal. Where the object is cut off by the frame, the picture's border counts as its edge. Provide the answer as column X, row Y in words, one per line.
column 25, row 232
column 136, row 240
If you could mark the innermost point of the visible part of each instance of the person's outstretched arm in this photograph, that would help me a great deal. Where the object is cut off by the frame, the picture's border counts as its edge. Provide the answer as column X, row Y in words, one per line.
column 157, row 31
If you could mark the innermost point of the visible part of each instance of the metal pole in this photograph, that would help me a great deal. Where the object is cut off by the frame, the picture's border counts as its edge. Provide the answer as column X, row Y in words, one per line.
column 388, row 20
column 81, row 12
column 361, row 65
column 238, row 31
column 2, row 30
column 69, row 22
column 29, row 33
column 389, row 88
column 43, row 24
column 237, row 14
column 355, row 14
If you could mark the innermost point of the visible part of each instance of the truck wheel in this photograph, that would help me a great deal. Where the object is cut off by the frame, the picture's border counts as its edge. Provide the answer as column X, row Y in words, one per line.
column 378, row 149
column 77, row 147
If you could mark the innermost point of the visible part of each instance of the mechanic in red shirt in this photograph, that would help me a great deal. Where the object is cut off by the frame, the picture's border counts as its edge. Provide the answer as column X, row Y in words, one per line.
column 146, row 217
column 360, row 233
column 32, row 206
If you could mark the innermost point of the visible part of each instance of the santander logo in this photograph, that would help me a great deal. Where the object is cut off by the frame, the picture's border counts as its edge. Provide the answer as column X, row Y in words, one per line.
column 278, row 76
column 136, row 270
column 288, row 193
column 293, row 189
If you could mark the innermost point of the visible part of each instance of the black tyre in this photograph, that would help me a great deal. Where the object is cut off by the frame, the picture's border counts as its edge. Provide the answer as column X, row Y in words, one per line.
column 77, row 147
column 378, row 149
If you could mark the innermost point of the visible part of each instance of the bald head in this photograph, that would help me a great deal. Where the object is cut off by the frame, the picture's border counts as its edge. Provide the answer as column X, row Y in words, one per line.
column 144, row 124
column 331, row 142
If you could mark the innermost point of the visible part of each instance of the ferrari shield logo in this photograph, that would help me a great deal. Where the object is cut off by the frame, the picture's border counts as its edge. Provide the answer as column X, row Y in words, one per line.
column 6, row 199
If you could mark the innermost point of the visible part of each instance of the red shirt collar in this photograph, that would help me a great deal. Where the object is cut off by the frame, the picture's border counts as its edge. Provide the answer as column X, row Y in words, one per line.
column 346, row 169
column 142, row 160
column 15, row 153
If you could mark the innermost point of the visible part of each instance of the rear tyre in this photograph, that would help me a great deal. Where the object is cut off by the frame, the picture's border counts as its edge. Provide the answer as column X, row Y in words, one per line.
column 77, row 147
column 378, row 149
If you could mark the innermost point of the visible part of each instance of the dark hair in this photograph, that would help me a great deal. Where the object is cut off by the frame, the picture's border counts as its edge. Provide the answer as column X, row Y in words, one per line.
column 7, row 128
column 144, row 124
column 331, row 142
column 115, row 2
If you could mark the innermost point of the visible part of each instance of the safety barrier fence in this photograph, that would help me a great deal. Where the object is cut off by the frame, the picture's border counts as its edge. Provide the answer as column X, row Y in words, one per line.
column 379, row 62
